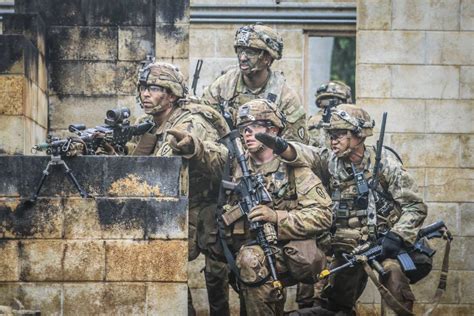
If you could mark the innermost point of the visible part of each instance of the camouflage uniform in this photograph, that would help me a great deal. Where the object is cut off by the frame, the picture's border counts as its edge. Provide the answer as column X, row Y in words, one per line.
column 302, row 207
column 404, row 219
column 231, row 87
column 202, row 122
column 336, row 92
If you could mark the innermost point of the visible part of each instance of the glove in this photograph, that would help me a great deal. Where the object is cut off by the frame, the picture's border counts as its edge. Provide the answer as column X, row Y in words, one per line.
column 262, row 213
column 276, row 143
column 391, row 245
column 182, row 143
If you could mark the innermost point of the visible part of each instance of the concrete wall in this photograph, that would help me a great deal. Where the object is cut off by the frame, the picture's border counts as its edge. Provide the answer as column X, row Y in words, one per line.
column 122, row 251
column 415, row 60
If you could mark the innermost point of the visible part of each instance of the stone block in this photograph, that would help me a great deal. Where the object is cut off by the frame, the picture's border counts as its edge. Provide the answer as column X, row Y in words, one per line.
column 201, row 302
column 467, row 218
column 195, row 274
column 42, row 74
column 9, row 265
column 428, row 150
column 68, row 77
column 293, row 43
column 82, row 43
column 447, row 212
column 450, row 48
column 292, row 70
column 100, row 78
column 126, row 78
column 56, row 12
column 374, row 15
column 445, row 309
column 466, row 82
column 45, row 297
column 112, row 298
column 129, row 260
column 425, row 15
column 404, row 115
column 88, row 110
column 166, row 218
column 174, row 294
column 84, row 261
column 373, row 81
column 390, row 47
column 419, row 175
column 22, row 219
column 12, row 134
column 224, row 43
column 148, row 171
column 134, row 43
column 18, row 56
column 461, row 255
column 425, row 289
column 203, row 43
column 467, row 286
column 30, row 25
column 467, row 151
column 467, row 16
column 425, row 82
column 8, row 291
column 370, row 295
column 449, row 185
column 368, row 309
column 172, row 41
column 121, row 12
column 42, row 109
column 41, row 260
column 11, row 94
column 30, row 108
column 211, row 70
column 81, row 219
column 449, row 116
column 172, row 11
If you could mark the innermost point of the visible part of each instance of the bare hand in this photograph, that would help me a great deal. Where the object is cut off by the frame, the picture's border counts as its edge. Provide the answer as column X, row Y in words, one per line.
column 262, row 213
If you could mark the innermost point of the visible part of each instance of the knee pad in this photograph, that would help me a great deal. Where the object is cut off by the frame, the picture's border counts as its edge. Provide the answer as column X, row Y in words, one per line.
column 251, row 263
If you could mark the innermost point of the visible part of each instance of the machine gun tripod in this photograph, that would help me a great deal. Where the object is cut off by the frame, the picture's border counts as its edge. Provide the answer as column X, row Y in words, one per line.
column 58, row 149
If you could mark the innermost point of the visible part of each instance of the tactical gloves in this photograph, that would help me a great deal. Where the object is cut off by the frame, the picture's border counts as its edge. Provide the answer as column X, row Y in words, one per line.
column 262, row 213
column 276, row 143
column 182, row 142
column 391, row 245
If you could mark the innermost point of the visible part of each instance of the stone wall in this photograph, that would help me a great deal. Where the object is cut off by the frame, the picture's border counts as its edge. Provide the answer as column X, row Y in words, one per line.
column 415, row 60
column 121, row 251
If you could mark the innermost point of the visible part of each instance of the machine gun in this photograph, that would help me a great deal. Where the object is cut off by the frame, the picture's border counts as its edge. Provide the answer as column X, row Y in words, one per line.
column 252, row 192
column 116, row 132
column 372, row 252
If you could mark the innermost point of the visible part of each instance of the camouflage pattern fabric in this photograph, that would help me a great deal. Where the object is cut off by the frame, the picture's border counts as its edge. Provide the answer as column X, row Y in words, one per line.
column 231, row 87
column 317, row 135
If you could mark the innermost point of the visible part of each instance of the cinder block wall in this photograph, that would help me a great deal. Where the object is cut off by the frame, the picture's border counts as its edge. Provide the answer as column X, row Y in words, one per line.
column 123, row 251
column 415, row 60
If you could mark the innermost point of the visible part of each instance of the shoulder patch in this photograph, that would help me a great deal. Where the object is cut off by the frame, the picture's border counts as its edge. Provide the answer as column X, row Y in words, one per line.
column 301, row 132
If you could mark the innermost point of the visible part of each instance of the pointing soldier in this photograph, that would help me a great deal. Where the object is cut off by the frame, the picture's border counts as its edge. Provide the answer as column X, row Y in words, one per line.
column 400, row 209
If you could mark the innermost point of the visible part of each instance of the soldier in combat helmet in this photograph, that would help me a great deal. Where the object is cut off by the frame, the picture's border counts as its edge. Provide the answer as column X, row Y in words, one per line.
column 328, row 97
column 257, row 46
column 400, row 210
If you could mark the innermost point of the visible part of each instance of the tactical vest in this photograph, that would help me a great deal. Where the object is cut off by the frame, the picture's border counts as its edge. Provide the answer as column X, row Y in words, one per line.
column 232, row 91
column 349, row 211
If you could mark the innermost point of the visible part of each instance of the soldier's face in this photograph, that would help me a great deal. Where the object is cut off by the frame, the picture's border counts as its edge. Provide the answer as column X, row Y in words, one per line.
column 248, row 132
column 155, row 99
column 340, row 141
column 250, row 59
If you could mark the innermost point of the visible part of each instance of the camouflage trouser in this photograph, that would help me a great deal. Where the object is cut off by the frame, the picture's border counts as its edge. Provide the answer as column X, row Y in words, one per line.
column 217, row 284
column 347, row 286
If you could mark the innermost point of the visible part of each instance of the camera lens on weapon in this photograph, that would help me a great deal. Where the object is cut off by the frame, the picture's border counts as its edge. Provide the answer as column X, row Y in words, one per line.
column 117, row 116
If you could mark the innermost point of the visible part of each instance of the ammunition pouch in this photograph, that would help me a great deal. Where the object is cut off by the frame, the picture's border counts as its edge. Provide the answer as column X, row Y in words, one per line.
column 304, row 260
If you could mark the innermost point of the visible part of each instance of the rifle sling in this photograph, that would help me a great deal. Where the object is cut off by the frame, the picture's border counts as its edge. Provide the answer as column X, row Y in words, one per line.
column 391, row 301
column 443, row 278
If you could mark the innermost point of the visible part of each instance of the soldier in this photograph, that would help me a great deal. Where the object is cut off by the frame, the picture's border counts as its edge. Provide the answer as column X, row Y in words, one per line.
column 328, row 97
column 400, row 210
column 257, row 46
column 299, row 211
column 162, row 95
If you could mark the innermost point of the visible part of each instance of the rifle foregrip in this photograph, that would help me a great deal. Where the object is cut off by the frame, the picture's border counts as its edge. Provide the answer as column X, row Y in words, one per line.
column 431, row 228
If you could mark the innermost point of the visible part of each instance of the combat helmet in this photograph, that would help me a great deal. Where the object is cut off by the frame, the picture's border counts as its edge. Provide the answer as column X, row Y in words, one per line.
column 260, row 37
column 261, row 110
column 165, row 75
column 335, row 90
column 351, row 117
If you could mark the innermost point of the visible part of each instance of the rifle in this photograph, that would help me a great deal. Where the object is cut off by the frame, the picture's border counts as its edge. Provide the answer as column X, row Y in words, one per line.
column 197, row 71
column 117, row 131
column 372, row 252
column 252, row 192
